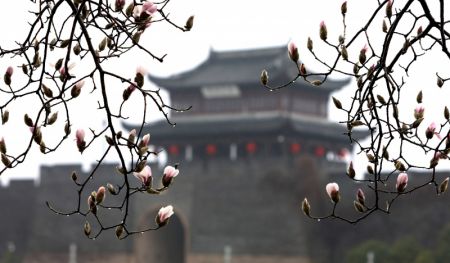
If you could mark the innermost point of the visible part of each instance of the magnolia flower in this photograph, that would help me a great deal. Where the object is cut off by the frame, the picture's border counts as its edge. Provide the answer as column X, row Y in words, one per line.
column 431, row 130
column 100, row 194
column 170, row 172
column 333, row 192
column 402, row 182
column 146, row 139
column 419, row 111
column 76, row 89
column 323, row 31
column 79, row 138
column 9, row 71
column 163, row 215
column 362, row 54
column 149, row 8
column 293, row 51
column 119, row 4
column 128, row 91
column 360, row 196
column 145, row 176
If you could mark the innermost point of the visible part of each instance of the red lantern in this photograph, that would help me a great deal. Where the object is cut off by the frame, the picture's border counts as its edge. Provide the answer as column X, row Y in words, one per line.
column 174, row 150
column 295, row 148
column 319, row 151
column 211, row 149
column 250, row 147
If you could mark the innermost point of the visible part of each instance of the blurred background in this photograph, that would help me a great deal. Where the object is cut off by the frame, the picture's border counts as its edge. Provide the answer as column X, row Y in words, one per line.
column 247, row 156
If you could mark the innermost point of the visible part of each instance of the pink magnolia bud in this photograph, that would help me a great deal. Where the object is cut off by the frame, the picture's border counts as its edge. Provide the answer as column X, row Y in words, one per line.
column 419, row 111
column 149, row 8
column 402, row 182
column 431, row 130
column 100, row 194
column 163, row 215
column 9, row 71
column 333, row 192
column 170, row 172
column 119, row 5
column 293, row 51
column 323, row 31
column 360, row 196
column 145, row 176
column 146, row 139
column 362, row 54
column 79, row 138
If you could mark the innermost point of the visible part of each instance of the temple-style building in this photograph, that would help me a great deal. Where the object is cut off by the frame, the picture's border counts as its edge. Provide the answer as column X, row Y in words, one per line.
column 247, row 155
column 247, row 158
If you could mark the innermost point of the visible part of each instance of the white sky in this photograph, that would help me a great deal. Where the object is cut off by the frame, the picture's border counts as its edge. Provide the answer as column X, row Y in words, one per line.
column 219, row 25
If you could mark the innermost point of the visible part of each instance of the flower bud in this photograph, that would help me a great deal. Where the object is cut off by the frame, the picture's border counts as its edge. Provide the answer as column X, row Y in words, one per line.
column 344, row 8
column 145, row 176
column 102, row 44
column 6, row 162
column 358, row 206
column 119, row 4
column 306, row 207
column 309, row 44
column 5, row 117
column 303, row 69
column 362, row 54
column 2, row 145
column 189, row 23
column 111, row 189
column 430, row 131
column 389, row 9
column 419, row 97
column 381, row 99
column 402, row 182
column 119, row 231
column 384, row 27
column 333, row 192
column 52, row 118
column 344, row 53
column 87, row 228
column 170, row 172
column 440, row 82
column 42, row 147
column 76, row 89
column 446, row 113
column 79, row 138
column 419, row 30
column 351, row 171
column 337, row 103
column 74, row 176
column 264, row 77
column 419, row 112
column 444, row 185
column 131, row 138
column 28, row 121
column 399, row 166
column 163, row 215
column 77, row 49
column 323, row 31
column 360, row 197
column 67, row 129
column 293, row 52
column 101, row 193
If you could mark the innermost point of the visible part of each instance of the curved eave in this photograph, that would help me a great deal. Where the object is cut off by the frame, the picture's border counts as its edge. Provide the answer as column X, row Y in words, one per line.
column 242, row 67
column 249, row 125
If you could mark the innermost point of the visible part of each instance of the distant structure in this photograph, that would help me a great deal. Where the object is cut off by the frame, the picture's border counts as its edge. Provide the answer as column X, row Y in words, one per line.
column 247, row 158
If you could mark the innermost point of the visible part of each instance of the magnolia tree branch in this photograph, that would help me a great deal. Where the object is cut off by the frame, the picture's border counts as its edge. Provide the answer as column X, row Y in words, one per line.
column 71, row 28
column 380, row 72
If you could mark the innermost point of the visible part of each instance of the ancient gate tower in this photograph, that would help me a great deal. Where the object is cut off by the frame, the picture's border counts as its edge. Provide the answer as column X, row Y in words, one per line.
column 247, row 158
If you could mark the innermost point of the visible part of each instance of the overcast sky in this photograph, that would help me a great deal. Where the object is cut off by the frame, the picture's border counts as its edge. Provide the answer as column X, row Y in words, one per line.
column 223, row 25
